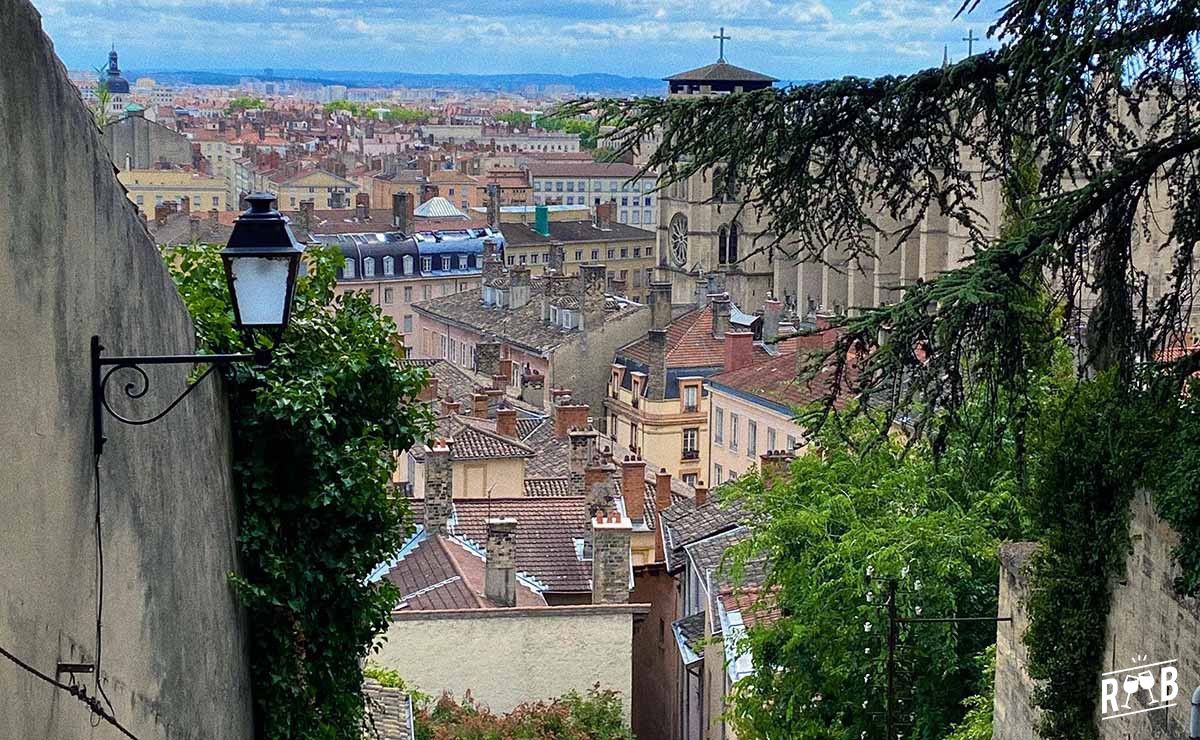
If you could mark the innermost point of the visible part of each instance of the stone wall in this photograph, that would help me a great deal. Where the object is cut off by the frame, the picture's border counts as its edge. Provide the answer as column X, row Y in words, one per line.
column 1147, row 619
column 506, row 657
column 583, row 364
column 75, row 261
column 656, row 664
column 138, row 144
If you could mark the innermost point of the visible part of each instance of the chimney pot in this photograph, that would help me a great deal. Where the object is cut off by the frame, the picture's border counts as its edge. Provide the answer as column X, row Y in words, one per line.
column 500, row 575
column 506, row 422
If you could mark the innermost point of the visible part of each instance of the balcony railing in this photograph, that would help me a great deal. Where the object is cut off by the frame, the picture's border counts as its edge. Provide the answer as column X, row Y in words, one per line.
column 691, row 454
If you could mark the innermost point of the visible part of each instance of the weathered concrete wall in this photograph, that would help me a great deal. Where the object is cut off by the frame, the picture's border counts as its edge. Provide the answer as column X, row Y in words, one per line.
column 137, row 144
column 75, row 261
column 1147, row 619
column 505, row 657
column 656, row 664
column 583, row 365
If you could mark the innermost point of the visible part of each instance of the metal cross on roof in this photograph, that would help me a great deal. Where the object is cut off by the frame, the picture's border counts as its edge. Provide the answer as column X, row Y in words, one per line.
column 722, row 38
column 971, row 38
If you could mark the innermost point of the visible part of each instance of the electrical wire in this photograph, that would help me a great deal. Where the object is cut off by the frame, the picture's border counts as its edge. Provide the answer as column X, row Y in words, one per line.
column 75, row 690
column 99, row 588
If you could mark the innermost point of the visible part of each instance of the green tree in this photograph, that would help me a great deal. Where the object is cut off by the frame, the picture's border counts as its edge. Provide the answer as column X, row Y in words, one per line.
column 244, row 103
column 831, row 531
column 314, row 438
column 100, row 111
column 1101, row 94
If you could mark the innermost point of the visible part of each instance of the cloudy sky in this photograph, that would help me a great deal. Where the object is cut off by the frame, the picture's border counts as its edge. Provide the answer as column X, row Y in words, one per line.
column 790, row 39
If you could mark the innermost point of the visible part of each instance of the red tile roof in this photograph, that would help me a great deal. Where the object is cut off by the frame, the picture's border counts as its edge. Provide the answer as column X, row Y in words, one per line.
column 443, row 573
column 690, row 343
column 775, row 379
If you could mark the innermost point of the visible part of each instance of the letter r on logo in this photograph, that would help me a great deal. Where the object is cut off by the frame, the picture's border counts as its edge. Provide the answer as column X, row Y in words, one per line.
column 1108, row 695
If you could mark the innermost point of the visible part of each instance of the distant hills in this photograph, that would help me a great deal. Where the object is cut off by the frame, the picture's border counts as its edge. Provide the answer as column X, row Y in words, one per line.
column 583, row 83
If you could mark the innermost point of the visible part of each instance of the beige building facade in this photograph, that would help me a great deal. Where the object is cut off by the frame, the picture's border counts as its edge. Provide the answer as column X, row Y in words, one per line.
column 150, row 188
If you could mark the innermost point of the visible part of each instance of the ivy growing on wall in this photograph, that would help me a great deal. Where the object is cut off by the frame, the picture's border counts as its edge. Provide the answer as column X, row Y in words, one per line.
column 314, row 435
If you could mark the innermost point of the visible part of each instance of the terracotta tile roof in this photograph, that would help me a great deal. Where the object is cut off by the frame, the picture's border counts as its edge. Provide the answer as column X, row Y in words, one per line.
column 547, row 531
column 547, row 487
column 774, row 379
column 389, row 712
column 690, row 343
column 474, row 441
column 756, row 605
column 446, row 573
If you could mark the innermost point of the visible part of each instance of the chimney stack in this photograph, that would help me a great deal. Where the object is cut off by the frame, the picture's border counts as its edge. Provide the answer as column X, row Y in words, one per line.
column 582, row 447
column 518, row 287
column 772, row 311
column 662, row 500
column 185, row 205
column 213, row 218
column 194, row 229
column 402, row 212
column 633, row 487
column 656, row 372
column 592, row 279
column 611, row 533
column 605, row 215
column 479, row 405
column 598, row 490
column 500, row 575
column 701, row 497
column 739, row 349
column 506, row 421
column 450, row 406
column 774, row 462
column 569, row 416
column 487, row 357
column 429, row 393
column 439, row 493
column 720, row 313
column 362, row 206
column 556, row 257
column 660, row 305
column 306, row 214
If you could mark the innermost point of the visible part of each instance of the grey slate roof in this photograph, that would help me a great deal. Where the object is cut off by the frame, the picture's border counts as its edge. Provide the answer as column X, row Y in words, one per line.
column 685, row 523
column 522, row 326
column 689, row 636
column 568, row 232
column 720, row 72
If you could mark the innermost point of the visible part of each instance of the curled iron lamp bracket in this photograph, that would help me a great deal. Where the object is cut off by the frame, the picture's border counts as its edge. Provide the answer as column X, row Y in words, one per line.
column 140, row 384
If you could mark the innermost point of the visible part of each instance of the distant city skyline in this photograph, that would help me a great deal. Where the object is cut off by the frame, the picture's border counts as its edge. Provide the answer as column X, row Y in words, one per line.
column 789, row 39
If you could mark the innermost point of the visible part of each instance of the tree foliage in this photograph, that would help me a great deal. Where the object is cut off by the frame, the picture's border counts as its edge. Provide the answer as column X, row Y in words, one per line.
column 314, row 435
column 596, row 715
column 1100, row 95
column 244, row 103
column 833, row 530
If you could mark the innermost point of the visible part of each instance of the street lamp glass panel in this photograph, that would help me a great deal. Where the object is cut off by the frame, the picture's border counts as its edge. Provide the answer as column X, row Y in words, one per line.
column 262, row 290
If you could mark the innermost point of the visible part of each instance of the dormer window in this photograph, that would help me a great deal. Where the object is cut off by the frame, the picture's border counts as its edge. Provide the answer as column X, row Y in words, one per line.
column 408, row 264
column 348, row 269
column 554, row 315
column 427, row 264
column 368, row 267
column 389, row 265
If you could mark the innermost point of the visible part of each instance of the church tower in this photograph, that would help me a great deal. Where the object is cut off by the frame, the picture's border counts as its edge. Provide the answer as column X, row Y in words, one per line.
column 704, row 245
column 118, row 88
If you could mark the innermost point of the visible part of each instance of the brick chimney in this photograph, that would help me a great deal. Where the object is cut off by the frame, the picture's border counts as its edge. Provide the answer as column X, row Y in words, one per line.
column 772, row 311
column 739, row 349
column 701, row 497
column 362, row 206
column 506, row 421
column 213, row 217
column 429, row 393
column 500, row 380
column 479, row 405
column 598, row 490
column 450, row 406
column 611, row 533
column 500, row 575
column 605, row 215
column 495, row 398
column 193, row 229
column 185, row 205
column 660, row 305
column 662, row 500
column 633, row 487
column 569, row 416
column 439, row 492
column 582, row 447
column 402, row 212
column 774, row 462
column 656, row 372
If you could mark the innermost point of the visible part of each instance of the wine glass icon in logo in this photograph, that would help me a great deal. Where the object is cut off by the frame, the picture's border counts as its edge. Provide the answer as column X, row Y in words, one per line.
column 1146, row 681
column 1130, row 686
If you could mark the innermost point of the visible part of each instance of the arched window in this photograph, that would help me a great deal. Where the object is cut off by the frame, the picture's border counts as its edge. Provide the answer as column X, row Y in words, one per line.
column 722, row 245
column 732, row 255
column 408, row 264
column 368, row 267
column 389, row 265
column 348, row 268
